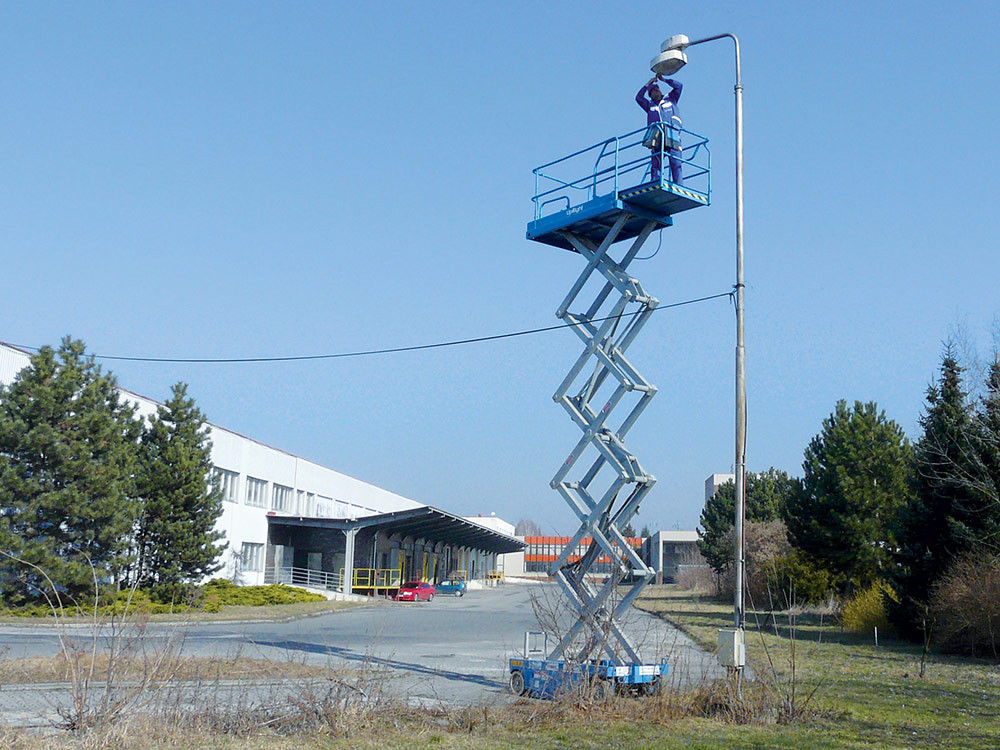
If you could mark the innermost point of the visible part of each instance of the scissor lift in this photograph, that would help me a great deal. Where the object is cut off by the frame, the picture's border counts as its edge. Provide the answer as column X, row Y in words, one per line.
column 588, row 202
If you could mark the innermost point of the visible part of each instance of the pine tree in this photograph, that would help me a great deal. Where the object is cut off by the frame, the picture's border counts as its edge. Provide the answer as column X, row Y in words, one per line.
column 948, row 514
column 176, row 540
column 67, row 458
column 766, row 493
column 854, row 482
column 988, row 450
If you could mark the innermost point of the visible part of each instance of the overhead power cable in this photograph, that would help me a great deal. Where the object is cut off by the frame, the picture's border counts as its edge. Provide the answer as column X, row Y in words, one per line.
column 393, row 350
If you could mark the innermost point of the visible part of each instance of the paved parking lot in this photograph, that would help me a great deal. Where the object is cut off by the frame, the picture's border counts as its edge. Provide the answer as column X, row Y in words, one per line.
column 452, row 650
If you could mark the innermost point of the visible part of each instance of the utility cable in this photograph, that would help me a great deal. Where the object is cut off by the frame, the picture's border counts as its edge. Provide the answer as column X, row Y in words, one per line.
column 393, row 350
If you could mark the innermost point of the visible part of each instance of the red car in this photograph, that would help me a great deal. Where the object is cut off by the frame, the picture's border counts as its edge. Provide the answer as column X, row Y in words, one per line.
column 414, row 591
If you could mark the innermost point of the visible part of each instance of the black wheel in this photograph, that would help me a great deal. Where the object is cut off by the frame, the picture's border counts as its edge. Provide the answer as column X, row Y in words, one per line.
column 602, row 690
column 650, row 688
column 430, row 598
column 516, row 683
column 460, row 594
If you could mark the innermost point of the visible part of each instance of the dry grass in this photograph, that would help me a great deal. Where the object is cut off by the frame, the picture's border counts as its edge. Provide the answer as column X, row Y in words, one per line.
column 49, row 669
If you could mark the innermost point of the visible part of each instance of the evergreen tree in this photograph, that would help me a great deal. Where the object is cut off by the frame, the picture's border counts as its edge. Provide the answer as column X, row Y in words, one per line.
column 766, row 493
column 628, row 531
column 988, row 450
column 854, row 482
column 67, row 458
column 949, row 514
column 176, row 540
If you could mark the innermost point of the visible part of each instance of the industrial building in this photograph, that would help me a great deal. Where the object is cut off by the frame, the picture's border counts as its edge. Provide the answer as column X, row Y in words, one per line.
column 288, row 519
column 667, row 552
column 542, row 551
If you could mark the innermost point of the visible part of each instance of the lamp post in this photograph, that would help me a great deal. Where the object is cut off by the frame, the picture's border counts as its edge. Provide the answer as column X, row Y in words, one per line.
column 669, row 61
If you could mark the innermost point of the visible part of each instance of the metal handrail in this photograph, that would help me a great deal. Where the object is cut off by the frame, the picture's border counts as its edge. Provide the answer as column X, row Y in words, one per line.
column 550, row 187
column 305, row 577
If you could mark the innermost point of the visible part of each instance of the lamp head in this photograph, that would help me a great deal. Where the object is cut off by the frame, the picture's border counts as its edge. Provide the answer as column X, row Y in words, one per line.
column 671, row 57
column 668, row 62
column 678, row 42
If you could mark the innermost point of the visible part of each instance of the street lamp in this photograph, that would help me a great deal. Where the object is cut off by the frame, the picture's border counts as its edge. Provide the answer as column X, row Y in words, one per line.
column 669, row 61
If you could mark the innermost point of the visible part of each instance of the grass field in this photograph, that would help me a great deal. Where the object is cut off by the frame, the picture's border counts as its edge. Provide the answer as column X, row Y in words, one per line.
column 866, row 696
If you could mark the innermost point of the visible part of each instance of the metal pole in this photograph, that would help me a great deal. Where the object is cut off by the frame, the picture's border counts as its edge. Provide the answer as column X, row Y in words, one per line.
column 741, row 384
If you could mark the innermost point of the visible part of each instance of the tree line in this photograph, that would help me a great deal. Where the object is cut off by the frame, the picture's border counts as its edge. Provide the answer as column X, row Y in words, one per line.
column 90, row 491
column 871, row 508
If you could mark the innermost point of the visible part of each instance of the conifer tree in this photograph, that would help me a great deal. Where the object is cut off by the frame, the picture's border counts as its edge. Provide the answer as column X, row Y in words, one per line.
column 854, row 482
column 67, row 459
column 950, row 513
column 988, row 450
column 766, row 493
column 176, row 539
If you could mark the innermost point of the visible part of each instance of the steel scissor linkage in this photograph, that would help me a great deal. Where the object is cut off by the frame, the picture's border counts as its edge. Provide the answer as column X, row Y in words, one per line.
column 607, row 329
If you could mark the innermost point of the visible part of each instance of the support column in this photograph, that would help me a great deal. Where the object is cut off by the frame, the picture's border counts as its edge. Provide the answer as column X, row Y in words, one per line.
column 347, row 585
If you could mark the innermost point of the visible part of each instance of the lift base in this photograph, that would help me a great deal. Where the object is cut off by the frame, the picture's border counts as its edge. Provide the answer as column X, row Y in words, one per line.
column 546, row 678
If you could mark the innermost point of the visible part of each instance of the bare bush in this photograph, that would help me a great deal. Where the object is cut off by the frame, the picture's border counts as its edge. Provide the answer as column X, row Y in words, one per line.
column 693, row 573
column 114, row 667
column 697, row 578
column 765, row 542
column 965, row 606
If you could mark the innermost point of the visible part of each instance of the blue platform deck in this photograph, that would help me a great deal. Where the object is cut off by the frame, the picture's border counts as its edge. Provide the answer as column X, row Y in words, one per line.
column 651, row 201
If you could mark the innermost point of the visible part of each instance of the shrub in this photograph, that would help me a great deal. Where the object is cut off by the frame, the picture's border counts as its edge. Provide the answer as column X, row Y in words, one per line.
column 776, row 575
column 965, row 606
column 799, row 579
column 696, row 578
column 868, row 609
column 223, row 593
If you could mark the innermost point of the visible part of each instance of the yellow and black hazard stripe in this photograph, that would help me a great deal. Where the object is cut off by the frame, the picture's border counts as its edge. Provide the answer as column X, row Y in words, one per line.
column 669, row 188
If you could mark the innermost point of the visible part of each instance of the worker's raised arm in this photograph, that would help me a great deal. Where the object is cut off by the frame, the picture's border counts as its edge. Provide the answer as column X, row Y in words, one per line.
column 675, row 89
column 641, row 99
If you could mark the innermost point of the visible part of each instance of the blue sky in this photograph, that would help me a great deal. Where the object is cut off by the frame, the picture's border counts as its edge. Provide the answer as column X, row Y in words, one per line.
column 252, row 179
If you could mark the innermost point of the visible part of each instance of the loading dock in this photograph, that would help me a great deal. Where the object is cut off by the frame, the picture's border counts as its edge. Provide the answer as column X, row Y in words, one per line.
column 374, row 554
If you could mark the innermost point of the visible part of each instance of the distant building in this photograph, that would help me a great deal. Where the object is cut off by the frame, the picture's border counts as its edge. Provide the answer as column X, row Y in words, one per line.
column 542, row 551
column 715, row 481
column 667, row 552
column 511, row 563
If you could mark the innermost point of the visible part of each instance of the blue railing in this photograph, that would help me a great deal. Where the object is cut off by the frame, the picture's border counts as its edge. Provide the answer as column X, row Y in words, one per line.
column 621, row 163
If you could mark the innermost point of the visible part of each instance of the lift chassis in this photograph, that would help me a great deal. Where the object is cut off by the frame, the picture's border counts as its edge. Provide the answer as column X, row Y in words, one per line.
column 601, row 481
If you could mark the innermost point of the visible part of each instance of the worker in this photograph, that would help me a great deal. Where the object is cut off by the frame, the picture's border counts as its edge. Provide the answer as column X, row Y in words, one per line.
column 662, row 109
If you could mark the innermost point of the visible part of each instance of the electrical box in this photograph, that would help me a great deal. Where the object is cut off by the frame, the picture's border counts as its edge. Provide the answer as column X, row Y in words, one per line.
column 732, row 648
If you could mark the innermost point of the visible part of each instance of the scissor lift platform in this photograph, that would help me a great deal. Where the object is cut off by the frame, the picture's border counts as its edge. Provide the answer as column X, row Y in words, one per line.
column 652, row 201
column 582, row 193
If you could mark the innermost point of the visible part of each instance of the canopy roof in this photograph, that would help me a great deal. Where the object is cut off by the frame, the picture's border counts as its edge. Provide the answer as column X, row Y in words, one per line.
column 428, row 523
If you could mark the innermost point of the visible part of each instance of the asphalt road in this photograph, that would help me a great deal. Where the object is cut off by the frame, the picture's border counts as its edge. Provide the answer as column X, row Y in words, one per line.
column 451, row 650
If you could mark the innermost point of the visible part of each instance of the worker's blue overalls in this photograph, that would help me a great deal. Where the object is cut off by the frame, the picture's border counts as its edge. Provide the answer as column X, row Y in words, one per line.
column 666, row 112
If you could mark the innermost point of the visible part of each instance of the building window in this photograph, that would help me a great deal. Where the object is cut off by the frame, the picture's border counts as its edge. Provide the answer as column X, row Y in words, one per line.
column 252, row 557
column 281, row 497
column 310, row 504
column 324, row 506
column 228, row 482
column 256, row 492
